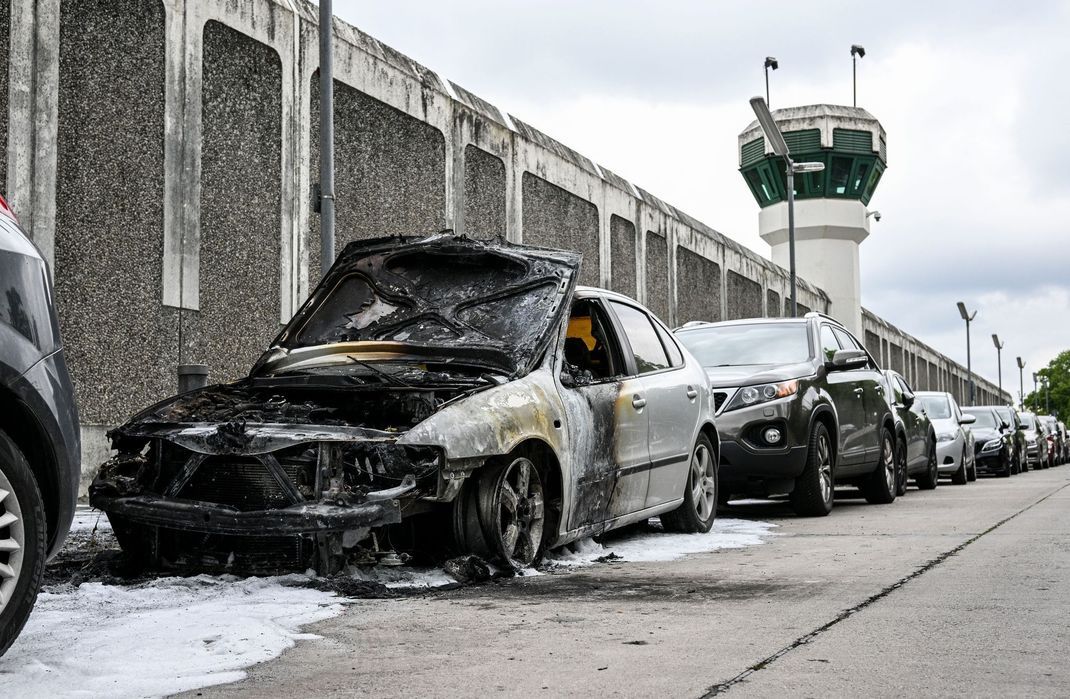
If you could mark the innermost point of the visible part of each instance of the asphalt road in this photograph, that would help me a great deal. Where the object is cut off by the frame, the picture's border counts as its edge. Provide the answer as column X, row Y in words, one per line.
column 964, row 590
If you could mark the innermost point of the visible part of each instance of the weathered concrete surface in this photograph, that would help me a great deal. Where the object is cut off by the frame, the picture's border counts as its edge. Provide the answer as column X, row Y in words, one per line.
column 484, row 194
column 987, row 620
column 5, row 52
column 622, row 255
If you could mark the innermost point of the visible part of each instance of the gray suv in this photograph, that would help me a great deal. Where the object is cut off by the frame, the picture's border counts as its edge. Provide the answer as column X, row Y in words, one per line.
column 800, row 407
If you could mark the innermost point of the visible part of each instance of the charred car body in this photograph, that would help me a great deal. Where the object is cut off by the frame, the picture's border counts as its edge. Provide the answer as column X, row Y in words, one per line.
column 467, row 387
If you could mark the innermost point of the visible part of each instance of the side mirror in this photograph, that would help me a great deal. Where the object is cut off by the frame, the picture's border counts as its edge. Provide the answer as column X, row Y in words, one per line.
column 1022, row 428
column 908, row 399
column 846, row 359
column 967, row 419
column 1003, row 426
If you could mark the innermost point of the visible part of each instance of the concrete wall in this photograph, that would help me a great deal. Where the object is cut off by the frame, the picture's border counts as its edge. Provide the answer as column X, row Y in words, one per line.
column 162, row 154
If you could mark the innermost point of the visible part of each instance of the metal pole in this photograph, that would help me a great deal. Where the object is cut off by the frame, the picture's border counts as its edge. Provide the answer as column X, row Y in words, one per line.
column 791, row 235
column 326, row 137
column 999, row 364
column 1021, row 383
column 854, row 80
column 767, row 83
column 969, row 365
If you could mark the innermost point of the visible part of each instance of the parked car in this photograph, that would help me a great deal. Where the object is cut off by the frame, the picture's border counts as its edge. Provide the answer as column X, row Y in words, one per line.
column 954, row 445
column 1036, row 444
column 993, row 442
column 915, row 437
column 1054, row 437
column 1066, row 442
column 1017, row 433
column 437, row 383
column 800, row 408
column 40, row 455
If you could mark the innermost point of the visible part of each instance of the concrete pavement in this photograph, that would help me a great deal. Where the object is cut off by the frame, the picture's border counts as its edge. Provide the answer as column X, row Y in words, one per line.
column 961, row 590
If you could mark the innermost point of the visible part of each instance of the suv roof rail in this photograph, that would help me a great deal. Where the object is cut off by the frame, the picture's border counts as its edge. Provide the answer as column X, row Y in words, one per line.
column 819, row 314
column 693, row 324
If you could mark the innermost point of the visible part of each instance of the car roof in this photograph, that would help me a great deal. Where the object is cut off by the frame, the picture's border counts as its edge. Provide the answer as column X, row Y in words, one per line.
column 740, row 321
column 588, row 291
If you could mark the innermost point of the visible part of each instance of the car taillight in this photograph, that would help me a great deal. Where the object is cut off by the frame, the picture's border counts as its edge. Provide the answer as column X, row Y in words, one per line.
column 6, row 210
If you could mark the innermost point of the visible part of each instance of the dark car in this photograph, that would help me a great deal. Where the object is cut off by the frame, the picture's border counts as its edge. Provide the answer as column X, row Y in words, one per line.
column 993, row 442
column 915, row 450
column 1016, row 431
column 40, row 455
column 800, row 408
column 429, row 389
column 1036, row 444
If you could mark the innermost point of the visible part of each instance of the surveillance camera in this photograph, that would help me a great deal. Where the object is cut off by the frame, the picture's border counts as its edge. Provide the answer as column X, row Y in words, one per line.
column 877, row 216
column 874, row 214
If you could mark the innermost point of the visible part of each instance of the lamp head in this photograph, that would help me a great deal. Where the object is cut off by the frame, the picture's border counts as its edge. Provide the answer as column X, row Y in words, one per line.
column 771, row 62
column 1021, row 364
column 857, row 50
column 996, row 342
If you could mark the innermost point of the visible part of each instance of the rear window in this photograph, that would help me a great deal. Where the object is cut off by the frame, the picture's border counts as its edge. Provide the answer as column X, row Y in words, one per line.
column 1027, row 420
column 742, row 345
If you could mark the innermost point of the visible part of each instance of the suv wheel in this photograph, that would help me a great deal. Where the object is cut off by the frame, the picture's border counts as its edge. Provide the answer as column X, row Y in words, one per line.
column 815, row 488
column 22, row 541
column 901, row 467
column 695, row 515
column 879, row 486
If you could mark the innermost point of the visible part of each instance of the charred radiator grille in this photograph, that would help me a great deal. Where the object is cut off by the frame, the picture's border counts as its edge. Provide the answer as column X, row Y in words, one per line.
column 222, row 552
column 244, row 483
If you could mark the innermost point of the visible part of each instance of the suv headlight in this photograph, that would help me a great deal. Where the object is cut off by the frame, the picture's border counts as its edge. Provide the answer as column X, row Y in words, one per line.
column 992, row 444
column 946, row 437
column 762, row 393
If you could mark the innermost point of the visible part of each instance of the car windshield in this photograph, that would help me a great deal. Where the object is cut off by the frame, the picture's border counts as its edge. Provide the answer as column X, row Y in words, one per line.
column 1027, row 421
column 1005, row 415
column 936, row 407
column 741, row 345
column 985, row 418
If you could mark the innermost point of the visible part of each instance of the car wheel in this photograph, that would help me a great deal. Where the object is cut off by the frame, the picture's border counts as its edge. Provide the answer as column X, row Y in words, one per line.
column 1008, row 467
column 879, row 486
column 931, row 478
column 23, row 534
column 815, row 489
column 695, row 515
column 901, row 468
column 971, row 473
column 960, row 477
column 503, row 513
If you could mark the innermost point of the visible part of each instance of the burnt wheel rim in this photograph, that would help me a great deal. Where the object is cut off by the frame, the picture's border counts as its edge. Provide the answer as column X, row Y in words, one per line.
column 888, row 459
column 520, row 513
column 824, row 468
column 12, row 540
column 703, row 482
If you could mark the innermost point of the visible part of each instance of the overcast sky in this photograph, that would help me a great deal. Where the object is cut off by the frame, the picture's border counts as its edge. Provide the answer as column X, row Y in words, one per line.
column 974, row 97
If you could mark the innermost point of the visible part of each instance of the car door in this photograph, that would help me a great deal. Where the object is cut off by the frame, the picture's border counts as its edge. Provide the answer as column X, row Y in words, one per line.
column 913, row 423
column 874, row 402
column 608, row 427
column 846, row 394
column 671, row 403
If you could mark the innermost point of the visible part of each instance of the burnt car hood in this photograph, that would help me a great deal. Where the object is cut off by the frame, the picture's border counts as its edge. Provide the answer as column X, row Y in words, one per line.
column 441, row 299
column 751, row 374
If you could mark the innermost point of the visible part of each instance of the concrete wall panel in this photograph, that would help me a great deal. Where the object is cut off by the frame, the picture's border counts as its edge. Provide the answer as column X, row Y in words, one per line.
column 121, row 343
column 657, row 275
column 772, row 304
column 5, row 70
column 240, row 201
column 484, row 194
column 556, row 218
column 699, row 286
column 622, row 255
column 744, row 297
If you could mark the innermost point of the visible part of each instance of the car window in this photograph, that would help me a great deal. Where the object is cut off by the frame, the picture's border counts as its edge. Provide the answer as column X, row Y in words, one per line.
column 1027, row 420
column 903, row 385
column 646, row 347
column 936, row 407
column 985, row 418
column 676, row 357
column 897, row 390
column 846, row 341
column 591, row 349
column 829, row 344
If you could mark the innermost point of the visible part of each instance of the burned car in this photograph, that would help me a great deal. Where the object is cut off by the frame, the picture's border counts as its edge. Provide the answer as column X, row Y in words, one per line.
column 439, row 390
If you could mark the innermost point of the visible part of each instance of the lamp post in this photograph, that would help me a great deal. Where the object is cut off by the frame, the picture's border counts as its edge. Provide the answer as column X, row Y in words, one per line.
column 1035, row 390
column 326, row 187
column 780, row 147
column 1047, row 395
column 1021, row 383
column 856, row 53
column 999, row 360
column 770, row 64
column 968, row 317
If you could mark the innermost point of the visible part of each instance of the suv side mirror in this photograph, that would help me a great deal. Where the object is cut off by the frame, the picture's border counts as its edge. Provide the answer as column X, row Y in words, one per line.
column 908, row 399
column 1022, row 428
column 967, row 419
column 846, row 359
column 1003, row 426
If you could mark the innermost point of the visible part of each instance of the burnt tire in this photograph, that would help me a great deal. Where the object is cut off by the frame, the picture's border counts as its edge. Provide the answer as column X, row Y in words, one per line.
column 501, row 513
column 900, row 467
column 931, row 477
column 959, row 477
column 696, row 513
column 814, row 491
column 879, row 486
column 23, row 537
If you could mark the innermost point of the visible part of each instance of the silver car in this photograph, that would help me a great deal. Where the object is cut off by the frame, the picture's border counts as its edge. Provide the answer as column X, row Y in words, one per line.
column 468, row 391
column 954, row 443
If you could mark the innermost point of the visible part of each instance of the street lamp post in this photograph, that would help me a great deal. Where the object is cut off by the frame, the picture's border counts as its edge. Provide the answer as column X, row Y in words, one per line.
column 780, row 147
column 860, row 52
column 1035, row 388
column 968, row 317
column 770, row 64
column 1021, row 383
column 999, row 360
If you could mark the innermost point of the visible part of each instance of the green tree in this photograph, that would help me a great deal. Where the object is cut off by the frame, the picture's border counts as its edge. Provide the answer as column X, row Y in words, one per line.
column 1053, row 389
